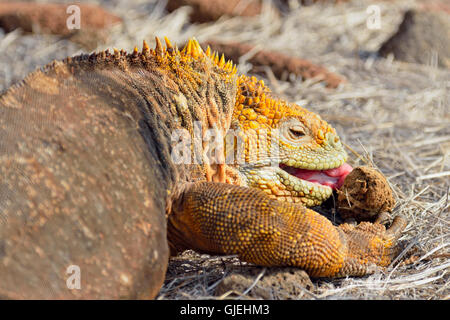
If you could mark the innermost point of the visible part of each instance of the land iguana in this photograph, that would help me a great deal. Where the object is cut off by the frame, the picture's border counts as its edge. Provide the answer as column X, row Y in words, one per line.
column 90, row 185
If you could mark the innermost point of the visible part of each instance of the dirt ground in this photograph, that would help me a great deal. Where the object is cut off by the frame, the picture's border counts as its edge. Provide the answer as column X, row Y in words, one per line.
column 390, row 114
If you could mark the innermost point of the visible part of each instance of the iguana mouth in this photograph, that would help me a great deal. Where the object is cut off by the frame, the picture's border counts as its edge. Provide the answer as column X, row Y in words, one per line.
column 333, row 178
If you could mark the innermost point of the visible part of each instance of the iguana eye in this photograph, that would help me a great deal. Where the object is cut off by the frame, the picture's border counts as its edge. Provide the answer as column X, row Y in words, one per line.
column 296, row 132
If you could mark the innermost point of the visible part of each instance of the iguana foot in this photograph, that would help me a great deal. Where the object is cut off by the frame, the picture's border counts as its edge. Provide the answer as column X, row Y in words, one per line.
column 219, row 218
column 370, row 246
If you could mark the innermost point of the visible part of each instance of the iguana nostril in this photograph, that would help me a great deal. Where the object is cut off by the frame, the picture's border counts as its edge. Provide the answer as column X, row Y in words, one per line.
column 333, row 140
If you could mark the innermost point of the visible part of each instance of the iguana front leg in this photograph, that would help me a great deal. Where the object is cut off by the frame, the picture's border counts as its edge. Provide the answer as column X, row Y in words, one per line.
column 226, row 219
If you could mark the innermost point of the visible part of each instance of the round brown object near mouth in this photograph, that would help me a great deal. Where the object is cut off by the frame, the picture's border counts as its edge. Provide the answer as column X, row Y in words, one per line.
column 364, row 195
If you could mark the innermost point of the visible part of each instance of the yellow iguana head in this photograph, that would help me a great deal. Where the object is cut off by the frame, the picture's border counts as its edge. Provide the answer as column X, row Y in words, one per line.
column 278, row 147
column 290, row 152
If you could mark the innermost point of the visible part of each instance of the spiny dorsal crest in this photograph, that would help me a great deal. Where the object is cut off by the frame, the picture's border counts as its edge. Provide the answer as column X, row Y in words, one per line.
column 192, row 50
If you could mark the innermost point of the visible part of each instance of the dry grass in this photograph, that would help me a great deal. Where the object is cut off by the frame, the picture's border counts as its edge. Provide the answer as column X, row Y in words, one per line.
column 395, row 116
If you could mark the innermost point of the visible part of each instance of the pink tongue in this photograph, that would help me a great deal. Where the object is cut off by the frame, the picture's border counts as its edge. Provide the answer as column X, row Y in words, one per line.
column 333, row 178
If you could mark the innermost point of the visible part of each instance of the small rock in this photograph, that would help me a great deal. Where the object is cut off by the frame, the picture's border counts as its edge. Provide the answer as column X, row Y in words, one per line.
column 276, row 283
column 364, row 195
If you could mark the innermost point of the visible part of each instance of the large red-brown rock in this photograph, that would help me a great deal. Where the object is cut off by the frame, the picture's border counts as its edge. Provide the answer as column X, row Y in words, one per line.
column 207, row 10
column 54, row 18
